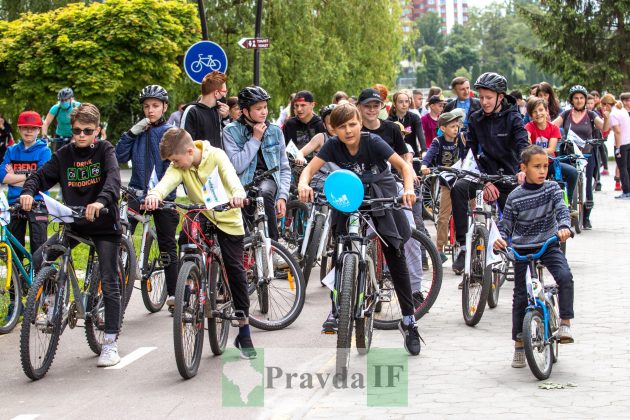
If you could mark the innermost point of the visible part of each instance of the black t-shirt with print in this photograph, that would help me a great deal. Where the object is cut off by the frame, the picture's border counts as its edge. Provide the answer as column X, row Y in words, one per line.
column 373, row 151
column 390, row 132
column 301, row 133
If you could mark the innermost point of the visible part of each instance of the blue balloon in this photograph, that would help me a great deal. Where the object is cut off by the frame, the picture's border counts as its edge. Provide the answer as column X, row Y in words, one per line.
column 344, row 190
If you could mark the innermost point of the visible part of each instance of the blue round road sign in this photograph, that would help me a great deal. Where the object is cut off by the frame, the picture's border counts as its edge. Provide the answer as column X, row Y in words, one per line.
column 202, row 58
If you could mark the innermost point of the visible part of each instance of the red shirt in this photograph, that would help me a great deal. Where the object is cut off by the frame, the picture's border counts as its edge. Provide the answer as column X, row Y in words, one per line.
column 429, row 126
column 541, row 137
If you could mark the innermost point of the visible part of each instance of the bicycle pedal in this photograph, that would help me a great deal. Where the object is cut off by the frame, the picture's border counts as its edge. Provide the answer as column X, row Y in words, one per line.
column 329, row 332
column 165, row 259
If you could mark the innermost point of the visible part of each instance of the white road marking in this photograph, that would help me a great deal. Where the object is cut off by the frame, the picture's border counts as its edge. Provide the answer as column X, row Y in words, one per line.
column 132, row 357
column 25, row 417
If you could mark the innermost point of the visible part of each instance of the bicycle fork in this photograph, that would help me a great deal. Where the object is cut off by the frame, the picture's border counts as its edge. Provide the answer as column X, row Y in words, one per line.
column 265, row 269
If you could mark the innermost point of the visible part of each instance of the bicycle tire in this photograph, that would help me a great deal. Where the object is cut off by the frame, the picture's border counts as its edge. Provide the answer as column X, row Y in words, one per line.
column 345, row 310
column 313, row 246
column 364, row 327
column 153, row 285
column 577, row 205
column 430, row 293
column 188, row 291
column 45, row 284
column 95, row 330
column 498, row 278
column 531, row 345
column 129, row 263
column 219, row 292
column 293, row 226
column 10, row 297
column 294, row 295
column 473, row 313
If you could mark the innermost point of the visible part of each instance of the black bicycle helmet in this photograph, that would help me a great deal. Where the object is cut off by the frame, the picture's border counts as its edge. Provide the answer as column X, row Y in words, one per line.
column 326, row 110
column 250, row 95
column 492, row 81
column 577, row 89
column 155, row 92
column 64, row 94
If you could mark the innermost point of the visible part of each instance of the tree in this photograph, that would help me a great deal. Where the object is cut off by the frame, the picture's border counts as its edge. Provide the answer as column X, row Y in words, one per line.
column 105, row 52
column 429, row 28
column 583, row 41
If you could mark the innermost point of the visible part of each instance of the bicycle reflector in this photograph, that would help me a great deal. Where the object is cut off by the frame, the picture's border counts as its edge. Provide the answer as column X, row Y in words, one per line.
column 344, row 190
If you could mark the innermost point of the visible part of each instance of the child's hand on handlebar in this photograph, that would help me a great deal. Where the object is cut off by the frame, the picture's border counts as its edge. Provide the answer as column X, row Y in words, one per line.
column 305, row 192
column 238, row 200
column 92, row 210
column 500, row 244
column 409, row 198
column 152, row 202
column 564, row 234
column 26, row 201
column 490, row 192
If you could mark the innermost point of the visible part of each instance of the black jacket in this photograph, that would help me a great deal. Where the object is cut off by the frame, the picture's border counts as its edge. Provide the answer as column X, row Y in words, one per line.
column 85, row 175
column 497, row 140
column 475, row 105
column 203, row 123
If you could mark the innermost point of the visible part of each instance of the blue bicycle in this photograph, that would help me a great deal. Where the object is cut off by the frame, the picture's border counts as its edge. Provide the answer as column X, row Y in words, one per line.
column 542, row 320
column 16, row 271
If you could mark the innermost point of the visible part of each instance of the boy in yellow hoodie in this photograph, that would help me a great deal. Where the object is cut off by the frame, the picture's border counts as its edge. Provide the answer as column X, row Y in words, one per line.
column 192, row 163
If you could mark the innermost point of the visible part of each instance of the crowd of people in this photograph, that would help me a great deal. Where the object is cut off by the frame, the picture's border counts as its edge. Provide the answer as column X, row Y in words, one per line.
column 367, row 134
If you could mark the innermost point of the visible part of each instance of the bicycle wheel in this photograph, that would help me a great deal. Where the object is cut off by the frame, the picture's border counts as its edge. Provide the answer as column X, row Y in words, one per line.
column 41, row 325
column 220, row 299
column 153, row 285
column 274, row 303
column 293, row 226
column 537, row 351
column 10, row 292
column 388, row 310
column 345, row 310
column 499, row 275
column 365, row 326
column 129, row 263
column 310, row 258
column 188, row 320
column 476, row 284
column 95, row 310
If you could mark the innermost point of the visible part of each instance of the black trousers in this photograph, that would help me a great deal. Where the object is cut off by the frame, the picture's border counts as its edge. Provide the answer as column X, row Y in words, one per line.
column 556, row 263
column 623, row 163
column 461, row 193
column 166, row 222
column 591, row 167
column 107, row 250
column 38, row 229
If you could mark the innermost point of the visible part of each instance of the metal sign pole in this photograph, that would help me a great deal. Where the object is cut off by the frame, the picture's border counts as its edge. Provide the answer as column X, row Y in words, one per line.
column 202, row 19
column 256, row 50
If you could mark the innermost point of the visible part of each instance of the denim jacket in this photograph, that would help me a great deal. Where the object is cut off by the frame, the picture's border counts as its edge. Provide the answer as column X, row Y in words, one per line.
column 242, row 149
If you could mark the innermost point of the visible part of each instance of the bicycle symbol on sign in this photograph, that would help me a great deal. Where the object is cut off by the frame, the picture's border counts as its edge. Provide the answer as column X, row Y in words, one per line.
column 207, row 61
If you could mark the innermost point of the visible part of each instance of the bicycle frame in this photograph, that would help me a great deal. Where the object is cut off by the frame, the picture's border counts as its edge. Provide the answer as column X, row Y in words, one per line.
column 481, row 214
column 8, row 242
column 316, row 211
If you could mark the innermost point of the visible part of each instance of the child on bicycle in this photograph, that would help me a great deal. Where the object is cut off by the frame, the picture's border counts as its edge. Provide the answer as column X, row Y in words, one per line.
column 141, row 144
column 445, row 150
column 192, row 163
column 21, row 160
column 533, row 213
column 367, row 155
column 254, row 145
column 88, row 175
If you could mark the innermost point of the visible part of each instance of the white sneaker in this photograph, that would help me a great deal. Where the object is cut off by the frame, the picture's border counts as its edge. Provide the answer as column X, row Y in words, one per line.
column 279, row 263
column 170, row 301
column 109, row 354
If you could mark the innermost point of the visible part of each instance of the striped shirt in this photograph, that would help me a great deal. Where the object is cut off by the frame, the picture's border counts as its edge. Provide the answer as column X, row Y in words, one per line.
column 534, row 213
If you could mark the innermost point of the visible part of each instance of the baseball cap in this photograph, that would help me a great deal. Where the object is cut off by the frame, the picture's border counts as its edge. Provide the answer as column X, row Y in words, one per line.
column 447, row 117
column 30, row 119
column 436, row 99
column 369, row 95
column 304, row 96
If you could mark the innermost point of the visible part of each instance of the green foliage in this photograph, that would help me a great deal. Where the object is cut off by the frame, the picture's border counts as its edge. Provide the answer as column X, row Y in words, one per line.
column 583, row 41
column 105, row 52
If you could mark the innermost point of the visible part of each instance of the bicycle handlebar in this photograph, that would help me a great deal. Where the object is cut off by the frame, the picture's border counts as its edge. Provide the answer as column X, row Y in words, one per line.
column 199, row 207
column 460, row 173
column 261, row 177
column 514, row 255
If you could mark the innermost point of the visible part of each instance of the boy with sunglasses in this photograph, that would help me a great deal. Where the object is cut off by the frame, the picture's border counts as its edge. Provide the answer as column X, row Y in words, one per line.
column 88, row 175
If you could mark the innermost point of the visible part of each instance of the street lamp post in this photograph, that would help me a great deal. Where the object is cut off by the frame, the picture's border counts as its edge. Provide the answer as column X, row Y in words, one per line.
column 202, row 19
column 257, row 50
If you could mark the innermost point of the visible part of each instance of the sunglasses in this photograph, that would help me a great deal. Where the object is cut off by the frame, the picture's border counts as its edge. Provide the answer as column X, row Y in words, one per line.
column 86, row 131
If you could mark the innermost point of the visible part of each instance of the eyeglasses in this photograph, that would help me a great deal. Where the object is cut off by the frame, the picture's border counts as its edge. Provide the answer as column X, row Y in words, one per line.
column 86, row 131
